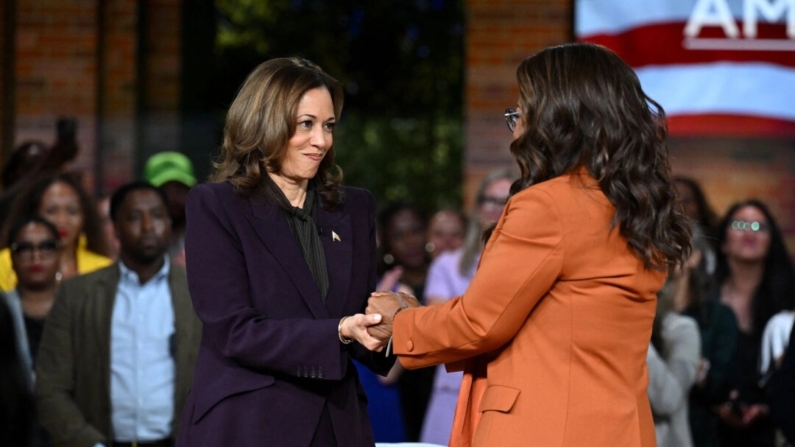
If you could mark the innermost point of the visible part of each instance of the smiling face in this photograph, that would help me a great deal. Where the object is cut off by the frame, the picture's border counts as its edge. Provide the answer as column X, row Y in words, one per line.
column 313, row 137
column 60, row 204
column 748, row 236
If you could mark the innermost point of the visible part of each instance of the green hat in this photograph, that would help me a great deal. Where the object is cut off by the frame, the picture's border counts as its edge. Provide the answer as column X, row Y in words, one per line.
column 167, row 167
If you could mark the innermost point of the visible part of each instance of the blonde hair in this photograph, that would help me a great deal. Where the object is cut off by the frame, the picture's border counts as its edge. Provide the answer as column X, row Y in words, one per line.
column 261, row 120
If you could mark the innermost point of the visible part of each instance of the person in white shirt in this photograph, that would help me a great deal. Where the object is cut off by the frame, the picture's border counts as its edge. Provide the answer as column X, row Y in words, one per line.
column 118, row 352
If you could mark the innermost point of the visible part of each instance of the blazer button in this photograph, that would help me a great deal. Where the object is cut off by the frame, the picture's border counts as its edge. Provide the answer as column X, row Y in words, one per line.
column 320, row 374
column 313, row 374
column 409, row 345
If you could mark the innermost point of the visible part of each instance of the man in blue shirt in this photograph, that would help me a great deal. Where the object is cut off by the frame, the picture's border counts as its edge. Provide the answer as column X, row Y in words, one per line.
column 119, row 347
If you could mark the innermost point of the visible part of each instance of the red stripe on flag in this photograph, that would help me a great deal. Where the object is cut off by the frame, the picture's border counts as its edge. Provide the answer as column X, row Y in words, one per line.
column 662, row 44
column 730, row 125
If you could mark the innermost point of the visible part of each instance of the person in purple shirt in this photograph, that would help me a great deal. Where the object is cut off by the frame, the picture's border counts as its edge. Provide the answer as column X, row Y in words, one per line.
column 449, row 276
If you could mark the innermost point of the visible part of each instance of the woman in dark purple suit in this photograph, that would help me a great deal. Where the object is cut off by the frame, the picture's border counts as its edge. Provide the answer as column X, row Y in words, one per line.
column 281, row 260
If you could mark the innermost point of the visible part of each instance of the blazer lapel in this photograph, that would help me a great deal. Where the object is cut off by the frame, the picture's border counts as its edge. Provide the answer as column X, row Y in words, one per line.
column 103, row 298
column 337, row 237
column 271, row 226
column 183, row 314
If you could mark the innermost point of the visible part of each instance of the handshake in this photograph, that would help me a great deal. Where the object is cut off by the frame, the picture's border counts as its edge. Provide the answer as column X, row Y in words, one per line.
column 373, row 329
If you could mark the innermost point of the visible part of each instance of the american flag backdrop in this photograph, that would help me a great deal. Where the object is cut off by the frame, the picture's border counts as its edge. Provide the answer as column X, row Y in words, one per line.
column 718, row 67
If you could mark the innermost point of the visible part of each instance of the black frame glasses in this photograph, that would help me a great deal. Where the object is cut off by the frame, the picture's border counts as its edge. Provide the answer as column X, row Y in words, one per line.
column 25, row 250
column 511, row 117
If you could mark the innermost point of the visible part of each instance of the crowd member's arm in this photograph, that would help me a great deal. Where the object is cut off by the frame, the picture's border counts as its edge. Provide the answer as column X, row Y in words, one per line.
column 781, row 392
column 671, row 378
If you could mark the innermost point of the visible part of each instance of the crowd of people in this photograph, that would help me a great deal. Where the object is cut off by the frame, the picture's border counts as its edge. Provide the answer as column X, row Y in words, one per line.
column 267, row 337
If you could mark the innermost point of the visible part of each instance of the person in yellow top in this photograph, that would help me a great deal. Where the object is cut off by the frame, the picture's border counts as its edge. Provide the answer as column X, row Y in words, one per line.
column 62, row 200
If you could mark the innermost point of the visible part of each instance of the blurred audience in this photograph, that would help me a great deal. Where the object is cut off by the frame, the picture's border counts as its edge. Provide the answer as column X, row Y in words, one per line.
column 24, row 164
column 17, row 414
column 445, row 231
column 103, row 213
column 781, row 392
column 696, row 207
column 673, row 359
column 137, row 334
column 692, row 286
column 33, row 159
column 35, row 251
column 775, row 340
column 62, row 200
column 448, row 277
column 756, row 280
column 173, row 172
column 403, row 230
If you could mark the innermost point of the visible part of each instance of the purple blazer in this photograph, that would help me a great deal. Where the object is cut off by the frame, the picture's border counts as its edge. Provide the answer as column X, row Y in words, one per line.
column 270, row 358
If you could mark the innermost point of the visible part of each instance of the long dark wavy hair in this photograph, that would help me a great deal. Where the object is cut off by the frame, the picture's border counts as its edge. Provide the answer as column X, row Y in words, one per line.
column 261, row 120
column 583, row 107
column 775, row 292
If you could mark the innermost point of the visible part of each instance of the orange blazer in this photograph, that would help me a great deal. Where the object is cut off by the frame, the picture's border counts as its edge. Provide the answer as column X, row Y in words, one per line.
column 553, row 331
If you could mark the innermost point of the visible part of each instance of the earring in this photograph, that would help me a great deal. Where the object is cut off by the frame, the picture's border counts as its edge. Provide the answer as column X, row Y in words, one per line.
column 58, row 276
column 429, row 247
column 389, row 259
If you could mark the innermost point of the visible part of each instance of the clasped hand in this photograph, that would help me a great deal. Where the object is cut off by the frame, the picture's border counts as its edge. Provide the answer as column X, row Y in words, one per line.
column 374, row 329
column 387, row 304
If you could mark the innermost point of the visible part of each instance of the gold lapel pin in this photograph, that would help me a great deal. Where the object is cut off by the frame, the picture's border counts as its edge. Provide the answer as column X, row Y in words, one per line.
column 335, row 236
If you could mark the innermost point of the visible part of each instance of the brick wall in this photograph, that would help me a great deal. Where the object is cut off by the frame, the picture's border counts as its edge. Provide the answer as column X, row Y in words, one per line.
column 119, row 88
column 499, row 35
column 161, row 83
column 55, row 71
column 3, row 92
column 60, row 72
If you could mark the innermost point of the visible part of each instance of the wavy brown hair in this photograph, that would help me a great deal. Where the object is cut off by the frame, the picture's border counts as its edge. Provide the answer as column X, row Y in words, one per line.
column 261, row 120
column 583, row 107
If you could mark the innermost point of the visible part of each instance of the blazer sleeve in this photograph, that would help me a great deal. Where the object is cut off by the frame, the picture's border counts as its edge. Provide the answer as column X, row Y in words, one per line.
column 219, row 287
column 496, row 304
column 671, row 378
column 55, row 372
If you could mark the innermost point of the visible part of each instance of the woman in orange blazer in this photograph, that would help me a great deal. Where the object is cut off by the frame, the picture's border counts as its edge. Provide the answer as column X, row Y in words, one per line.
column 553, row 331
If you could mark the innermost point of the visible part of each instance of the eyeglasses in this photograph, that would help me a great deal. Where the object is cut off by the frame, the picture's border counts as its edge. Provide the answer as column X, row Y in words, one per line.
column 494, row 201
column 741, row 225
column 511, row 117
column 24, row 250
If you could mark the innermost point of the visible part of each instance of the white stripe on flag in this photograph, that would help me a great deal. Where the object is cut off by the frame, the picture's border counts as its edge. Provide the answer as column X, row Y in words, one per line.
column 616, row 16
column 731, row 88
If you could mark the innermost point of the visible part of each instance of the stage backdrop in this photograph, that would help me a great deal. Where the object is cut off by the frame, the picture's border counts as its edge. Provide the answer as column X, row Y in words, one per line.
column 718, row 67
column 724, row 71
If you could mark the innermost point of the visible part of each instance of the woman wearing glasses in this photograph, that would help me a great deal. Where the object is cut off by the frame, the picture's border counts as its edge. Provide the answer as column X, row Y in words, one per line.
column 755, row 279
column 553, row 330
column 35, row 249
column 62, row 200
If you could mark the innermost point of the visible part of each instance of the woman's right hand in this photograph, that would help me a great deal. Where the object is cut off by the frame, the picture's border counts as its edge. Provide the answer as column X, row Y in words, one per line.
column 355, row 327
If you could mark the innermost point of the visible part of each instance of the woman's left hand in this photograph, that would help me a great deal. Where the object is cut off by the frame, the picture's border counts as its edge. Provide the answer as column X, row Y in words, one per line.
column 355, row 327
